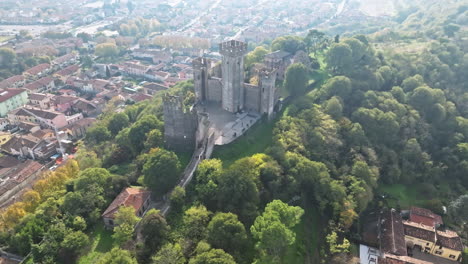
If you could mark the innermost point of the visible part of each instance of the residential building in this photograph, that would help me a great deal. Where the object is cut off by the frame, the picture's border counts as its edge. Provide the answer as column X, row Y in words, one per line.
column 45, row 84
column 46, row 118
column 78, row 129
column 137, row 198
column 420, row 235
column 28, row 146
column 40, row 100
column 37, row 71
column 449, row 245
column 65, row 60
column 13, row 82
column 11, row 99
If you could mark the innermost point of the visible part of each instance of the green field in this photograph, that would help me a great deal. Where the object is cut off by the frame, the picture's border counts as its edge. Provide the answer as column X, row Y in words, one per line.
column 102, row 242
column 256, row 140
column 404, row 196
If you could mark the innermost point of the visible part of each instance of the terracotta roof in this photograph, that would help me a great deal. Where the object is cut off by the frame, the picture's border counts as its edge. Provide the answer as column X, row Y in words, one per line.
column 64, row 58
column 140, row 97
column 8, row 162
column 38, row 112
column 63, row 99
column 155, row 86
column 84, row 105
column 38, row 68
column 6, row 94
column 39, row 83
column 425, row 216
column 392, row 236
column 68, row 70
column 134, row 197
column 449, row 239
column 37, row 96
column 11, row 81
column 420, row 231
column 392, row 259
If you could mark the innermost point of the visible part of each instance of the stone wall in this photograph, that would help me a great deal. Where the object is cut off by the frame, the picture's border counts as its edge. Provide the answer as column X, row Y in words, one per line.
column 180, row 124
column 215, row 90
column 252, row 97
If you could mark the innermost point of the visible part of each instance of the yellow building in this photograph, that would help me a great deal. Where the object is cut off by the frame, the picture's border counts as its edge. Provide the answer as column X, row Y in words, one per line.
column 420, row 236
column 4, row 137
column 449, row 245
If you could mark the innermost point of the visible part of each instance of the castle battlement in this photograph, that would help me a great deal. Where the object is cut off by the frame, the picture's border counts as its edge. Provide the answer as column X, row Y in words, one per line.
column 200, row 62
column 267, row 73
column 233, row 48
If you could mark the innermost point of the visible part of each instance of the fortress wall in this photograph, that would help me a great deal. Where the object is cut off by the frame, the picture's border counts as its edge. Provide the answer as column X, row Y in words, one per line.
column 215, row 90
column 252, row 97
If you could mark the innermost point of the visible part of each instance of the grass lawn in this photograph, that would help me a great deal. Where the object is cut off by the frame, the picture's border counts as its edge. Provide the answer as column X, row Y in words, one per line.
column 405, row 196
column 101, row 243
column 254, row 141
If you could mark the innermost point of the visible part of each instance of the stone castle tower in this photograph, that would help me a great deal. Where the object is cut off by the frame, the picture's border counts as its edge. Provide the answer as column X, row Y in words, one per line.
column 201, row 67
column 180, row 124
column 232, row 68
column 268, row 91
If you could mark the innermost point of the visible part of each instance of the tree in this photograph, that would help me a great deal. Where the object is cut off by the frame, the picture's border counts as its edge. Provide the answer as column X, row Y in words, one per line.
column 458, row 209
column 334, row 107
column 296, row 79
column 106, row 50
column 273, row 229
column 87, row 158
column 154, row 230
column 290, row 44
column 117, row 122
column 154, row 139
column 138, row 131
column 226, row 232
column 334, row 247
column 339, row 58
column 177, row 198
column 75, row 243
column 117, row 256
column 255, row 56
column 97, row 134
column 125, row 220
column 169, row 254
column 213, row 256
column 196, row 219
column 314, row 40
column 161, row 171
column 7, row 57
column 206, row 177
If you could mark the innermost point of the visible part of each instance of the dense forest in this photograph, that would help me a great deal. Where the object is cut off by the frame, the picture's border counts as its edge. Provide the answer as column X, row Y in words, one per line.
column 367, row 114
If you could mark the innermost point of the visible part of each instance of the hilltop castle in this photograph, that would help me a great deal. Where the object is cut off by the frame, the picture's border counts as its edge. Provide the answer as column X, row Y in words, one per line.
column 220, row 91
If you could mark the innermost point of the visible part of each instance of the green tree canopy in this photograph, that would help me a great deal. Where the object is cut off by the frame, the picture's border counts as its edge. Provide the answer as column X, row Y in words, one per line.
column 296, row 79
column 117, row 256
column 161, row 171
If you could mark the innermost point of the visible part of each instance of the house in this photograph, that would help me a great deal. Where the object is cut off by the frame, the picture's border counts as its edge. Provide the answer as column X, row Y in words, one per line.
column 40, row 100
column 28, row 127
column 45, row 118
column 63, row 103
column 420, row 235
column 449, row 245
column 37, row 71
column 11, row 99
column 152, row 88
column 425, row 217
column 138, row 97
column 392, row 234
column 63, row 74
column 45, row 84
column 15, row 176
column 78, row 129
column 86, row 108
column 65, row 60
column 13, row 82
column 137, row 198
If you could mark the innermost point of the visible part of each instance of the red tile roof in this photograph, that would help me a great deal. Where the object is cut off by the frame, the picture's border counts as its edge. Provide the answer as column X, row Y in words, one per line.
column 68, row 70
column 420, row 231
column 11, row 81
column 425, row 217
column 38, row 68
column 134, row 197
column 392, row 236
column 449, row 239
column 6, row 94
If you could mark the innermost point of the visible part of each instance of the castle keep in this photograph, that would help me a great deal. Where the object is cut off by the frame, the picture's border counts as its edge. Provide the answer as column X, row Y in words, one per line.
column 229, row 89
column 224, row 103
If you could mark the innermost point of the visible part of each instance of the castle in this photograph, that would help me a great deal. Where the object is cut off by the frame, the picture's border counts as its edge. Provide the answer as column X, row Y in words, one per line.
column 222, row 86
